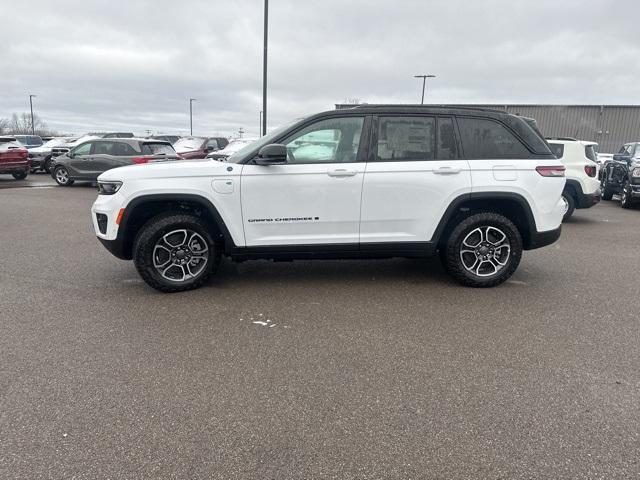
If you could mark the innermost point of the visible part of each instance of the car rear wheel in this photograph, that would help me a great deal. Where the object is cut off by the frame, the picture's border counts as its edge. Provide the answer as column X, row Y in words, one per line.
column 607, row 193
column 569, row 206
column 20, row 175
column 483, row 250
column 61, row 176
column 174, row 252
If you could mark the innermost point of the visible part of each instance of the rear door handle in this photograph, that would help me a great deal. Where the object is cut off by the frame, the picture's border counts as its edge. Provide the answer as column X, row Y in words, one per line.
column 341, row 172
column 447, row 171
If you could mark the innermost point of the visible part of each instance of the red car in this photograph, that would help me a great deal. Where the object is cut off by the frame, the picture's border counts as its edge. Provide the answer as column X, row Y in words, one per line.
column 190, row 148
column 14, row 158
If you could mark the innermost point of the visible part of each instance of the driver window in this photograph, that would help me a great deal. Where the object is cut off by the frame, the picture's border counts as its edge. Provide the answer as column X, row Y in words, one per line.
column 333, row 140
column 83, row 149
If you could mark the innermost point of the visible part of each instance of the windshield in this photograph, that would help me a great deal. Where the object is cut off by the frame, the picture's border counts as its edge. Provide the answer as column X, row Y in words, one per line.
column 187, row 144
column 261, row 142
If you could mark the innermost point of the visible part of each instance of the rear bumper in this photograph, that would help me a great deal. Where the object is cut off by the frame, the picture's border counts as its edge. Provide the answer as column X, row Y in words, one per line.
column 542, row 239
column 588, row 200
column 21, row 167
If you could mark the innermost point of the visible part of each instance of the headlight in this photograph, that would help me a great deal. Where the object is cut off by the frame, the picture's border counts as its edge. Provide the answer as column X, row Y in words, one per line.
column 108, row 188
column 636, row 172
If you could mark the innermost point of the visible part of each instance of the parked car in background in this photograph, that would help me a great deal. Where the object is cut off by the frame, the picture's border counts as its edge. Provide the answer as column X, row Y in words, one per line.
column 29, row 141
column 621, row 176
column 93, row 157
column 602, row 160
column 582, row 189
column 168, row 138
column 14, row 158
column 191, row 148
column 41, row 156
column 64, row 148
column 233, row 147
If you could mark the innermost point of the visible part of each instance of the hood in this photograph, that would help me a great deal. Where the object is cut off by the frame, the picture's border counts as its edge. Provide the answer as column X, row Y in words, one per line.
column 173, row 169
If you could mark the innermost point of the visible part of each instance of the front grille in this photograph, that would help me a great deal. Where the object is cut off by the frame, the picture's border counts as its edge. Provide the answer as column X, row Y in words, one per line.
column 102, row 222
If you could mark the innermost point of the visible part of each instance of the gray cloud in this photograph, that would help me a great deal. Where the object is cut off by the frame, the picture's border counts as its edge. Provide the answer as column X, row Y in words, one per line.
column 134, row 65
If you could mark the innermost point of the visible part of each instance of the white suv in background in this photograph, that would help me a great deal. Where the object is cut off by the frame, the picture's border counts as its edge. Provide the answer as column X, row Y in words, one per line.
column 478, row 186
column 583, row 187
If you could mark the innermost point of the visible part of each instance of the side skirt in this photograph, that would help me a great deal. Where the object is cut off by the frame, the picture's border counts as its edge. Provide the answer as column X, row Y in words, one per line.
column 335, row 251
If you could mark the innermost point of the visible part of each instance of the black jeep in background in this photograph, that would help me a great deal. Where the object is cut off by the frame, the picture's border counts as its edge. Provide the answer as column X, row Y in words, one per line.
column 622, row 176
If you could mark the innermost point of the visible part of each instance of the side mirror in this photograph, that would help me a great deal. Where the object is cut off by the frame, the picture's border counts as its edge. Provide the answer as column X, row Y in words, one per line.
column 272, row 154
column 622, row 157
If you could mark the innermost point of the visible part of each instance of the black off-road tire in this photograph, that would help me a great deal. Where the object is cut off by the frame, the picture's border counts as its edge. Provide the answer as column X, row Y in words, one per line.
column 451, row 255
column 571, row 204
column 625, row 196
column 47, row 164
column 607, row 193
column 20, row 175
column 152, row 231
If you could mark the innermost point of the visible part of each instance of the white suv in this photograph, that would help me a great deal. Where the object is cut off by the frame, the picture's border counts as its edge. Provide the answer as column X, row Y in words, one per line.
column 583, row 187
column 477, row 185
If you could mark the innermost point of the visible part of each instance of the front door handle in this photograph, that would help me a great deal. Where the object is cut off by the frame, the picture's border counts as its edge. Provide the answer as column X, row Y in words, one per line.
column 447, row 171
column 341, row 172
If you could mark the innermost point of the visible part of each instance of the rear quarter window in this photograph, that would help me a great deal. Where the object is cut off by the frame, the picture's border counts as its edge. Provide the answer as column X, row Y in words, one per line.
column 590, row 152
column 557, row 149
column 489, row 139
column 157, row 149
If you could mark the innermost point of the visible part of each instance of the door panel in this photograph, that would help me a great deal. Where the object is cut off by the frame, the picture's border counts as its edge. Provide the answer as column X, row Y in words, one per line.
column 301, row 204
column 404, row 201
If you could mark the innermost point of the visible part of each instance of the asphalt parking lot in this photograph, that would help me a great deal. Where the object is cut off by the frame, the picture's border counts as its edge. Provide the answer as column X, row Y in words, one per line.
column 325, row 369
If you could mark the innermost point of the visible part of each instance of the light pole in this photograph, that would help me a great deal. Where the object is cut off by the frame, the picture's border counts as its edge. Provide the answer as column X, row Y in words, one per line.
column 424, row 82
column 33, row 128
column 260, row 125
column 264, row 68
column 191, row 100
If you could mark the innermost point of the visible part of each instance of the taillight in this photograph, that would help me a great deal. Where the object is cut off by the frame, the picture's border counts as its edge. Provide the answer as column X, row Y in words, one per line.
column 139, row 160
column 551, row 171
column 590, row 170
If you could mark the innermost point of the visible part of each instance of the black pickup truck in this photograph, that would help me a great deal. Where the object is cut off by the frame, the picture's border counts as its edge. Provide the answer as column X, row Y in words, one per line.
column 622, row 176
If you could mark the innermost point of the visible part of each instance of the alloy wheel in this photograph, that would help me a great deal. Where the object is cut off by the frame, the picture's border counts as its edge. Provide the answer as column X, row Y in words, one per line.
column 180, row 255
column 485, row 251
column 62, row 176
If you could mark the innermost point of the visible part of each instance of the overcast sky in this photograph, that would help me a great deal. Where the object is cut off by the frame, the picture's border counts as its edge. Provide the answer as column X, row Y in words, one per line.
column 132, row 65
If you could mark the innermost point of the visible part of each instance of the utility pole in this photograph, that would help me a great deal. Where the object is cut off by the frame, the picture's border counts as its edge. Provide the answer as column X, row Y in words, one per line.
column 33, row 128
column 264, row 68
column 240, row 132
column 191, row 100
column 424, row 82
column 260, row 125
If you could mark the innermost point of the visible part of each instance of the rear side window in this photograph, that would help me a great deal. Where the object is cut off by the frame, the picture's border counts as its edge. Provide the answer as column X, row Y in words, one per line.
column 486, row 139
column 557, row 149
column 103, row 148
column 406, row 138
column 121, row 149
column 157, row 149
column 590, row 152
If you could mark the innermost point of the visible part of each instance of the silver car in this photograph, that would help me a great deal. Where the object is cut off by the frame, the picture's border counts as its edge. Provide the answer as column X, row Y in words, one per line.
column 91, row 158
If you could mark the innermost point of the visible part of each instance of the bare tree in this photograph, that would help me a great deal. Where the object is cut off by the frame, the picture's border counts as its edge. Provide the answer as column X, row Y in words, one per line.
column 21, row 123
column 4, row 126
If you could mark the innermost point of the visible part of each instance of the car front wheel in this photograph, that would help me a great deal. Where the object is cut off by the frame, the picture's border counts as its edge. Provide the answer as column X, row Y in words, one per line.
column 483, row 250
column 174, row 252
column 20, row 175
column 48, row 164
column 61, row 176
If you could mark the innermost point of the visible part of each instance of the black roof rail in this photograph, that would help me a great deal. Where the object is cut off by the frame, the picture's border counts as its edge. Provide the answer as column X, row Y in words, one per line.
column 568, row 139
column 430, row 105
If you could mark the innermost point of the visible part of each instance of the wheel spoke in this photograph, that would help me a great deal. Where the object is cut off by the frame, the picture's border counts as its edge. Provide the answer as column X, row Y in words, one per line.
column 182, row 232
